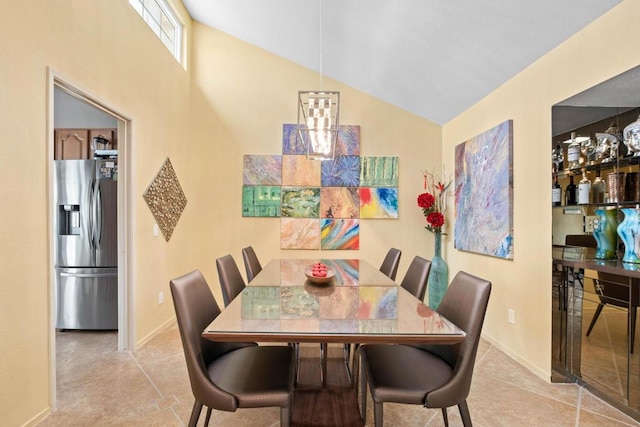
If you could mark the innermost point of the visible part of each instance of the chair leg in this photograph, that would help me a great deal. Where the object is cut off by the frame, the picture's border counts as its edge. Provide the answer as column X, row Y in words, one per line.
column 355, row 368
column 363, row 393
column 323, row 362
column 445, row 417
column 195, row 413
column 464, row 413
column 207, row 417
column 378, row 416
column 595, row 317
column 285, row 416
column 632, row 325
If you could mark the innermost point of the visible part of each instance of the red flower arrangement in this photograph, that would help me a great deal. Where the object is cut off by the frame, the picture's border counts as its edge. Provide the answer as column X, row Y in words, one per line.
column 433, row 203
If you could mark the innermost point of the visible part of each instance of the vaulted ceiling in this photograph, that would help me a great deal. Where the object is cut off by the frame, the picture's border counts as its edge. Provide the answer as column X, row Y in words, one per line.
column 434, row 58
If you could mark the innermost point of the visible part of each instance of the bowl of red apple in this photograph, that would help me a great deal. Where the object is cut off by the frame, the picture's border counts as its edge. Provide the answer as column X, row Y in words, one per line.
column 319, row 273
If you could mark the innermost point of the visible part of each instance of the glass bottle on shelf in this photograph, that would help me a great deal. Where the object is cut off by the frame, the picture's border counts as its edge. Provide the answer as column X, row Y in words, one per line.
column 598, row 189
column 556, row 192
column 584, row 189
column 573, row 152
column 571, row 193
column 557, row 158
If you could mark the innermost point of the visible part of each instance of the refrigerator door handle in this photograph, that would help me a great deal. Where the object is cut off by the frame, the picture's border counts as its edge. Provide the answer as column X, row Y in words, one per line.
column 94, row 214
column 98, row 216
column 62, row 274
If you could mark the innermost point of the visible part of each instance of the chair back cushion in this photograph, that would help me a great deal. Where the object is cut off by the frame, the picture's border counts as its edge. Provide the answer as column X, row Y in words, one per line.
column 195, row 308
column 464, row 304
column 390, row 263
column 231, row 280
column 415, row 281
column 251, row 263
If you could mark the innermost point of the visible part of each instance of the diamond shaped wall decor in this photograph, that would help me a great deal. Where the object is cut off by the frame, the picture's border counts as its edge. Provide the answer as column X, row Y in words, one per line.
column 165, row 199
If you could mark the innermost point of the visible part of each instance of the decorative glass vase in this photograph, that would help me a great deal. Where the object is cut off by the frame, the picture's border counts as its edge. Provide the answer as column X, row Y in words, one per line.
column 629, row 232
column 438, row 276
column 605, row 233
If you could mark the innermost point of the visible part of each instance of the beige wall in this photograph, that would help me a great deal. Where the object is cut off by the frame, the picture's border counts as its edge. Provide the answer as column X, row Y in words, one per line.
column 602, row 50
column 104, row 47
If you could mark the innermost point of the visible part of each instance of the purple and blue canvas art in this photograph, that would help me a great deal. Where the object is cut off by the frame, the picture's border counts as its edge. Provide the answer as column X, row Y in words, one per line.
column 484, row 193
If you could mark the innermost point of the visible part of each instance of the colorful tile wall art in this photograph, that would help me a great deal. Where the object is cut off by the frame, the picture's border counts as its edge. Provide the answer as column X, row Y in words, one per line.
column 343, row 171
column 379, row 172
column 261, row 201
column 262, row 170
column 379, row 203
column 301, row 202
column 320, row 203
column 340, row 234
column 484, row 193
column 165, row 199
column 297, row 170
column 348, row 142
column 339, row 202
column 299, row 233
column 347, row 271
column 261, row 302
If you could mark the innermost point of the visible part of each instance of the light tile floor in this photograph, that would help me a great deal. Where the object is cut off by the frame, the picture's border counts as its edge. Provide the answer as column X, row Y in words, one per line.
column 149, row 387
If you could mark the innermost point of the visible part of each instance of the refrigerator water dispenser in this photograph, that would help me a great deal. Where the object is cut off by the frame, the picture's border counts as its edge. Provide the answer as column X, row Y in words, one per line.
column 69, row 220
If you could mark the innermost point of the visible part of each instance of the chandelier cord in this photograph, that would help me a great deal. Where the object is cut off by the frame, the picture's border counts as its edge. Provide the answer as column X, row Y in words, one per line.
column 321, row 46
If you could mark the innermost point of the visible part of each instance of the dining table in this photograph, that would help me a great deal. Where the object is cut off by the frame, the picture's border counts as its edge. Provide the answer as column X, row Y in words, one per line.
column 356, row 304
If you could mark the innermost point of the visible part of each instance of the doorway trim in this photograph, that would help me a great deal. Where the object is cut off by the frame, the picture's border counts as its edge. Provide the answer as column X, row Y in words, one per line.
column 125, row 293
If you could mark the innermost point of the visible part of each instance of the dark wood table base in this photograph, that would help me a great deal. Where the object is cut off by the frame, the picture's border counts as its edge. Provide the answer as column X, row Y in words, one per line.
column 334, row 405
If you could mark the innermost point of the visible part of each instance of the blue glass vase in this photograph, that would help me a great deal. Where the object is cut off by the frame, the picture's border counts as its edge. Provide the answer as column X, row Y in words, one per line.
column 438, row 276
column 604, row 231
column 629, row 232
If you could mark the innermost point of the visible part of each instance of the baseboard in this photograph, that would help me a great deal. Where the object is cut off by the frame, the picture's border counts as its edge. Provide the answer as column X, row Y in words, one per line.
column 166, row 325
column 39, row 417
column 546, row 376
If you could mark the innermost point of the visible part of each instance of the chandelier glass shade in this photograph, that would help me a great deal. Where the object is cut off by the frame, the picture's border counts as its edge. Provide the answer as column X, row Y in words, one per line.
column 318, row 122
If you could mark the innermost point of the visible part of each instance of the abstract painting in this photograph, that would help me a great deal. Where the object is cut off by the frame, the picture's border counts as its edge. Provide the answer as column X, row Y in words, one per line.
column 301, row 202
column 291, row 144
column 262, row 170
column 347, row 271
column 261, row 201
column 343, row 171
column 379, row 172
column 299, row 233
column 297, row 170
column 339, row 202
column 348, row 142
column 378, row 203
column 340, row 234
column 484, row 193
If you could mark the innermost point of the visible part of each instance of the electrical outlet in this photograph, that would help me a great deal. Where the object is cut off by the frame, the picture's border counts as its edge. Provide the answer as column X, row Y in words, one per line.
column 156, row 230
column 161, row 298
column 512, row 316
column 590, row 221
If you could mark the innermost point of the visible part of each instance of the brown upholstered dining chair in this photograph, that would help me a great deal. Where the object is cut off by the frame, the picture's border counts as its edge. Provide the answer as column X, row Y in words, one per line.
column 390, row 263
column 251, row 263
column 228, row 376
column 435, row 376
column 415, row 280
column 231, row 280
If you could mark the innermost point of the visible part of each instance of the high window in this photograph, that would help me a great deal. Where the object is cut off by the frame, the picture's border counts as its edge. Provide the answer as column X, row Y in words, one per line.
column 163, row 21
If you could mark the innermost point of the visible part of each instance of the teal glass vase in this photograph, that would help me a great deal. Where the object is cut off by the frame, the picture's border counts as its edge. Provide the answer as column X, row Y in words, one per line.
column 438, row 276
column 629, row 232
column 605, row 233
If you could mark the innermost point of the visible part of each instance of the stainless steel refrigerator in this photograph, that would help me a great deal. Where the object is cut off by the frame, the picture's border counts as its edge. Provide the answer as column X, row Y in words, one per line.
column 86, row 244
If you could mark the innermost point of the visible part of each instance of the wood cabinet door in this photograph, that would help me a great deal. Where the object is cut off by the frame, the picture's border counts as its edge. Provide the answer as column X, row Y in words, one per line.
column 107, row 134
column 71, row 144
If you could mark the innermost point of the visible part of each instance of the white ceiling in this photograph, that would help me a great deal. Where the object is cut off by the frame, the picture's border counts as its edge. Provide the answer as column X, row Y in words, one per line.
column 434, row 58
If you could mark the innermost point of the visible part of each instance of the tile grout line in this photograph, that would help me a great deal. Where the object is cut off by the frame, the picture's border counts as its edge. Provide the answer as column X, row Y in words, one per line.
column 146, row 375
column 578, row 405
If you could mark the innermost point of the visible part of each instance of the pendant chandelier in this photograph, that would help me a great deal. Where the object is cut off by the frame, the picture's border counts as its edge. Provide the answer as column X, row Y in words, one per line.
column 318, row 117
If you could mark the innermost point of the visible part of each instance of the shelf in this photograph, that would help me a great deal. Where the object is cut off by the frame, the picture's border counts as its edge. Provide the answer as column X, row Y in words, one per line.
column 622, row 162
column 625, row 204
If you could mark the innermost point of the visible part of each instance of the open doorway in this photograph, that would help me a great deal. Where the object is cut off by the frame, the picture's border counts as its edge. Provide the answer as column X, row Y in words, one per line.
column 88, row 146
